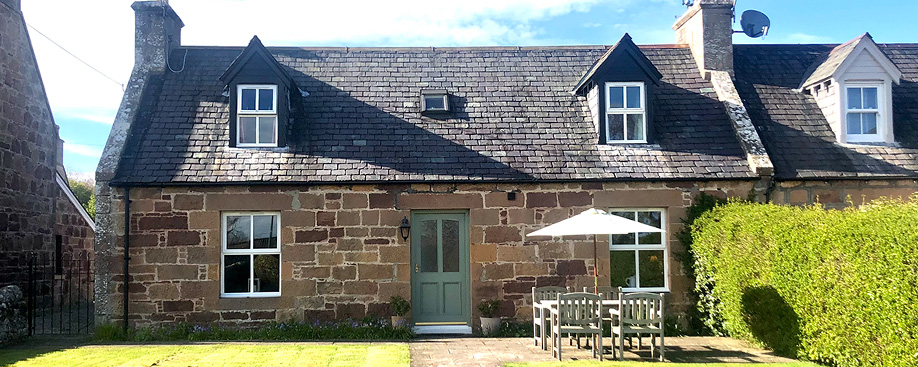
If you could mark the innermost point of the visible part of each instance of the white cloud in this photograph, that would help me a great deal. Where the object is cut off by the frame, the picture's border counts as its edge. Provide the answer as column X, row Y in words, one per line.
column 403, row 23
column 806, row 38
column 101, row 33
column 82, row 149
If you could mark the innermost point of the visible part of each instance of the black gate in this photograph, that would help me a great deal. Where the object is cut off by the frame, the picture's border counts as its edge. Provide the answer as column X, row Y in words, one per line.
column 59, row 294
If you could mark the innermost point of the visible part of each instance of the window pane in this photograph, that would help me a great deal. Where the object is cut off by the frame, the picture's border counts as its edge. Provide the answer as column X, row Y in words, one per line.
column 238, row 230
column 634, row 97
column 248, row 100
column 616, row 97
column 265, row 231
column 854, row 98
column 616, row 127
column 236, row 270
column 247, row 130
column 428, row 245
column 854, row 123
column 266, row 127
column 635, row 127
column 434, row 102
column 652, row 219
column 265, row 99
column 870, row 98
column 651, row 268
column 622, row 239
column 267, row 273
column 868, row 123
column 622, row 265
column 450, row 246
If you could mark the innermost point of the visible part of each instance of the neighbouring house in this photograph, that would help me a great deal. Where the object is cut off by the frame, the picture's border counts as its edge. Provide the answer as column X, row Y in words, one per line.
column 39, row 214
column 276, row 183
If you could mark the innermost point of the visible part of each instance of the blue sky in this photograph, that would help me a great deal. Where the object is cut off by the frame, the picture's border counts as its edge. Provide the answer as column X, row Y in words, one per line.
column 101, row 32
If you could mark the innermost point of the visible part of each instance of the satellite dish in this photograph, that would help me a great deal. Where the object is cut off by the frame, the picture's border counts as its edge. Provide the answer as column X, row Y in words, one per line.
column 754, row 23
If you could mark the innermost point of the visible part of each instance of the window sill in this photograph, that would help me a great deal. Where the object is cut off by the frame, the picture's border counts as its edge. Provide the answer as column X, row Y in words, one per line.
column 861, row 144
column 261, row 148
column 645, row 290
column 250, row 295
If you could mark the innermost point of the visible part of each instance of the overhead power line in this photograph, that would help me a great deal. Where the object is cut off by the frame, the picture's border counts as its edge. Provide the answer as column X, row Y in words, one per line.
column 76, row 57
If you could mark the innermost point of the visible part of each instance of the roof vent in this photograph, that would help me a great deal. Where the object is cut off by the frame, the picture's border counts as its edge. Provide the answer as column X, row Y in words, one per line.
column 434, row 101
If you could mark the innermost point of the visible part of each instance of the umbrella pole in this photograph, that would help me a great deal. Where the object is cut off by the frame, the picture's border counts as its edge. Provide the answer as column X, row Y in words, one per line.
column 595, row 268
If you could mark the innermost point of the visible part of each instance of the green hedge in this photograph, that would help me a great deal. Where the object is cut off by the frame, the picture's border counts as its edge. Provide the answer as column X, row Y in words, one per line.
column 834, row 286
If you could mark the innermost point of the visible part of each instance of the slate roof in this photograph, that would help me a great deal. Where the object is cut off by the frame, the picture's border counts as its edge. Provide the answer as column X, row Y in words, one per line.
column 515, row 120
column 796, row 134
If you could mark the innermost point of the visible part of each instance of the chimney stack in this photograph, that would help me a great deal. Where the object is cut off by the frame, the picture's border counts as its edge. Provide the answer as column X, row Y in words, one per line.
column 707, row 27
column 157, row 30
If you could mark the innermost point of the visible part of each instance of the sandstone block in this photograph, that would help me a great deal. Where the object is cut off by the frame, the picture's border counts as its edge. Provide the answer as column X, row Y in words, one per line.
column 382, row 201
column 541, row 200
column 502, row 234
column 483, row 253
column 177, row 306
column 499, row 200
column 177, row 272
column 439, row 201
column 374, row 272
column 248, row 201
column 355, row 201
column 579, row 198
column 183, row 238
column 311, row 201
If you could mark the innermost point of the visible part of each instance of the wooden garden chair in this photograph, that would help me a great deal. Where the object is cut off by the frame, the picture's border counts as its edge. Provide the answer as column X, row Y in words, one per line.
column 577, row 314
column 638, row 314
column 540, row 314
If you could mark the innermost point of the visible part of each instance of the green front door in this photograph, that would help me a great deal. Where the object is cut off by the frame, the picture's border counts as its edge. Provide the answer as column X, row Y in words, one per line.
column 440, row 261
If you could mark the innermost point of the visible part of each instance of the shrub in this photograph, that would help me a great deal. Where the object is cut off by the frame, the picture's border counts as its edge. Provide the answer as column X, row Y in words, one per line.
column 835, row 286
column 488, row 308
column 366, row 329
column 400, row 306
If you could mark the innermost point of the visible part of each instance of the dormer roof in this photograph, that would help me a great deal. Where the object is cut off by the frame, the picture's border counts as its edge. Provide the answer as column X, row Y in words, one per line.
column 624, row 47
column 835, row 62
column 255, row 49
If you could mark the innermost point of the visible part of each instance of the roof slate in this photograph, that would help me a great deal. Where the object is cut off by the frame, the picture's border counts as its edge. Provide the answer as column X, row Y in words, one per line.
column 514, row 119
column 796, row 134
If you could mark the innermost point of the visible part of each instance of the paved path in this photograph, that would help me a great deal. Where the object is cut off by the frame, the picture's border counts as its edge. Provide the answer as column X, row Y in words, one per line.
column 461, row 351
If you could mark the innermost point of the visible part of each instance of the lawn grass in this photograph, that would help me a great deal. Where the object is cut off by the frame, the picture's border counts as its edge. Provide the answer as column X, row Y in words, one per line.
column 655, row 364
column 222, row 354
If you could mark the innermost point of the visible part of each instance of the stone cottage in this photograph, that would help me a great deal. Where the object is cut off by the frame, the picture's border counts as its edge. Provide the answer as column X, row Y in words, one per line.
column 244, row 185
column 38, row 212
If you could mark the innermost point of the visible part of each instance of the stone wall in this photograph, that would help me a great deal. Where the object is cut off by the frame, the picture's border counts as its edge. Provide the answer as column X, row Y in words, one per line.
column 841, row 193
column 12, row 320
column 342, row 256
column 77, row 235
column 28, row 147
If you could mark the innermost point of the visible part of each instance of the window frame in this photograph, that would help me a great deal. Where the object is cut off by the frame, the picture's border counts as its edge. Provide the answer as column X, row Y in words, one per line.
column 635, row 248
column 434, row 93
column 257, row 114
column 879, row 110
column 625, row 111
column 251, row 252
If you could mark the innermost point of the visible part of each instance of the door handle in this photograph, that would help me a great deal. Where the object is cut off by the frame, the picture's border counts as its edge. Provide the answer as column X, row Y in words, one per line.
column 416, row 268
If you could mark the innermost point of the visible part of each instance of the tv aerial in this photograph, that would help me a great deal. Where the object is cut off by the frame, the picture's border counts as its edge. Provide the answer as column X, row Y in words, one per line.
column 755, row 24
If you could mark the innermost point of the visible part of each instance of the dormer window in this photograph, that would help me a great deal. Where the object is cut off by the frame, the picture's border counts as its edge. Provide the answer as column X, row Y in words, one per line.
column 256, row 116
column 863, row 116
column 434, row 101
column 626, row 120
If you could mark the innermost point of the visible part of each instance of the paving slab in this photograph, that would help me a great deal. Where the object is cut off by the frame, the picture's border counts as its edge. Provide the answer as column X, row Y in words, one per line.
column 467, row 351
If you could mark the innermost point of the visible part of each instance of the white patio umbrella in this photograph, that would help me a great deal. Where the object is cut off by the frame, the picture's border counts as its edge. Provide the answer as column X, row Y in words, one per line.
column 593, row 222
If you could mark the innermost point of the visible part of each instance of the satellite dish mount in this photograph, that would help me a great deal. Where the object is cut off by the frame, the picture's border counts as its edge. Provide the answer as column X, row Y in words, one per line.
column 755, row 24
